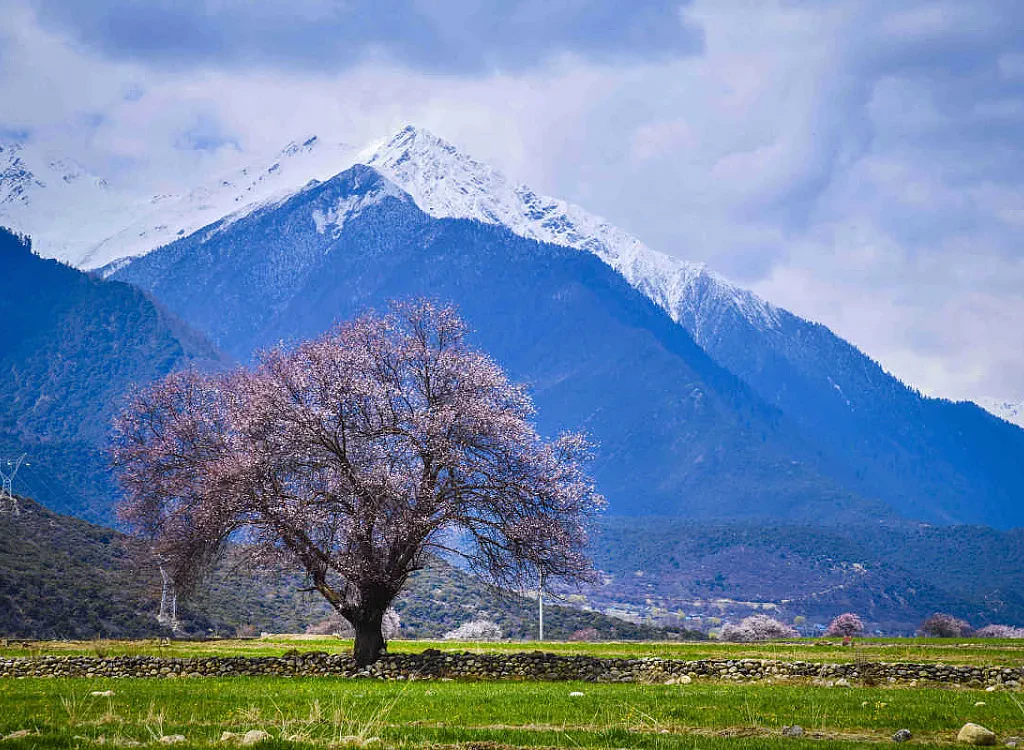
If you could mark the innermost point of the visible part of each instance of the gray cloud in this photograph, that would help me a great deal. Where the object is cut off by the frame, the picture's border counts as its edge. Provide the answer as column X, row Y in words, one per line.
column 861, row 163
column 462, row 36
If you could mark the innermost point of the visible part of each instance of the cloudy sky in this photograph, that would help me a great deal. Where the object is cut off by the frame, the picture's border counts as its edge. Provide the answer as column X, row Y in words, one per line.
column 861, row 163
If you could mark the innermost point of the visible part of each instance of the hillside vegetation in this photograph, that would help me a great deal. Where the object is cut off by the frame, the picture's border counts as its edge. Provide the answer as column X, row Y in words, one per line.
column 892, row 574
column 61, row 577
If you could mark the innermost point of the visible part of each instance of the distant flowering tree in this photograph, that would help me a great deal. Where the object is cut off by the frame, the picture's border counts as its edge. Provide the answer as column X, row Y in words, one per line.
column 757, row 628
column 941, row 625
column 585, row 634
column 353, row 457
column 999, row 631
column 475, row 630
column 846, row 625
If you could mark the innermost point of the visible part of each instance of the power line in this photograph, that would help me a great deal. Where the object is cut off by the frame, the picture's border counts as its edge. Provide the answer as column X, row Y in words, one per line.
column 54, row 494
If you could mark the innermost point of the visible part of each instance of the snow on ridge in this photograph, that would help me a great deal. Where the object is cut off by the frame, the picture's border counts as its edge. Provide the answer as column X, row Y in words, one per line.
column 224, row 199
column 349, row 206
column 446, row 183
column 1009, row 411
column 55, row 200
column 16, row 179
column 77, row 217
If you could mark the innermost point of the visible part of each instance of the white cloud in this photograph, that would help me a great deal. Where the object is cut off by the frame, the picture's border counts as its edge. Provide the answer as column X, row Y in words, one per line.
column 860, row 165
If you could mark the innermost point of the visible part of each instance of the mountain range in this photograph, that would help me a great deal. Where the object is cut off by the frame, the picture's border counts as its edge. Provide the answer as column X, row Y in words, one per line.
column 796, row 422
column 734, row 436
column 86, row 220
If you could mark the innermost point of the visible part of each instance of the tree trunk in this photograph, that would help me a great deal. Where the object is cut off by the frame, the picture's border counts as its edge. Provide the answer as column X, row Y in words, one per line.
column 370, row 644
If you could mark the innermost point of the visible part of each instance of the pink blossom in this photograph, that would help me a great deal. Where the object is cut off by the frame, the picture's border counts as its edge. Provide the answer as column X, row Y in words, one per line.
column 941, row 625
column 757, row 628
column 354, row 457
column 846, row 625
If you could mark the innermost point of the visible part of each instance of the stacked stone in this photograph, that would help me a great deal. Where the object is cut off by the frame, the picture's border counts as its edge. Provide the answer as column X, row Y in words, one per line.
column 536, row 665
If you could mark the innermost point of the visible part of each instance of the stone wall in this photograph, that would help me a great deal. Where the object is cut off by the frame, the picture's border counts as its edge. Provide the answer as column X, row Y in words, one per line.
column 433, row 664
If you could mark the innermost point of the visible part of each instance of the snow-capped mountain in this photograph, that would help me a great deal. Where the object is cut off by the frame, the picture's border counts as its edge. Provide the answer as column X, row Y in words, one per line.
column 675, row 427
column 883, row 439
column 1009, row 411
column 446, row 183
column 166, row 218
column 839, row 429
column 79, row 218
column 892, row 443
column 92, row 225
column 19, row 184
column 58, row 201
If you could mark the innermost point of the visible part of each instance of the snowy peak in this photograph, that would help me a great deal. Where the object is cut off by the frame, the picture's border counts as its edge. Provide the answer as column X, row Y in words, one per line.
column 82, row 222
column 166, row 218
column 443, row 181
column 25, row 174
column 349, row 194
column 59, row 202
column 1012, row 412
column 446, row 183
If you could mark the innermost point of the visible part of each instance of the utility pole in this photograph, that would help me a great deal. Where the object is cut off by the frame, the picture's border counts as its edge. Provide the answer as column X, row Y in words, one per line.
column 540, row 609
column 8, row 503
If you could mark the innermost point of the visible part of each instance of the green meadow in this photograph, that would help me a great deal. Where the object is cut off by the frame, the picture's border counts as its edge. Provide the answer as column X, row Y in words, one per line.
column 335, row 712
column 319, row 712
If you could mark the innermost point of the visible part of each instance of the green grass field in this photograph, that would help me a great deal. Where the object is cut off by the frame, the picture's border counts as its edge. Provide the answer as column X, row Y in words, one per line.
column 980, row 651
column 321, row 712
column 333, row 712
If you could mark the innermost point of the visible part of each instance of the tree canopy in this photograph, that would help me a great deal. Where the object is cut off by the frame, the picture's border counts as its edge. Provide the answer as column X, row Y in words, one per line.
column 354, row 456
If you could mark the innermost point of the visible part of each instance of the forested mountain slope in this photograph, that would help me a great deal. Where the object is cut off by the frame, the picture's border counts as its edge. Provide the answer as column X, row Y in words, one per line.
column 73, row 345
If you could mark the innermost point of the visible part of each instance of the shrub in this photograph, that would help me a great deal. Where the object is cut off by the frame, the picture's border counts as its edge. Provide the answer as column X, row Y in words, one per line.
column 475, row 630
column 757, row 628
column 846, row 625
column 1000, row 631
column 584, row 634
column 941, row 625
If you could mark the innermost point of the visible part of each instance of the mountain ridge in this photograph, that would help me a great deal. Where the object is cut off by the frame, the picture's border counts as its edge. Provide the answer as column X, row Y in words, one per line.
column 560, row 320
column 693, row 295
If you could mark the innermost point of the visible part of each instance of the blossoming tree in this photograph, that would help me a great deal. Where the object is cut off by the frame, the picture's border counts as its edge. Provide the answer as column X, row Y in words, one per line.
column 354, row 457
column 846, row 625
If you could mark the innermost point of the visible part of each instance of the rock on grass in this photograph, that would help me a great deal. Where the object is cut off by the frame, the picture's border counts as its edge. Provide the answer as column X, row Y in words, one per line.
column 975, row 734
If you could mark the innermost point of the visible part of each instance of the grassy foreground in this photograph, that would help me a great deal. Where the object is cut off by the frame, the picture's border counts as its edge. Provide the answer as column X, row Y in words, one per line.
column 980, row 652
column 325, row 712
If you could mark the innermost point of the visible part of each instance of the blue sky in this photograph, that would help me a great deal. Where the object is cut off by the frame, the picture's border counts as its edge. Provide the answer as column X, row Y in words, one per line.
column 860, row 163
